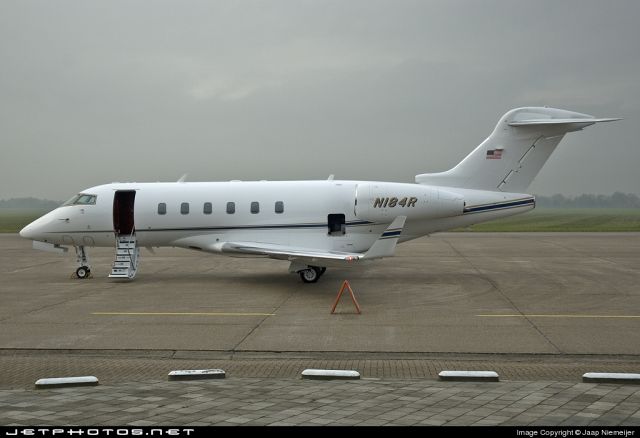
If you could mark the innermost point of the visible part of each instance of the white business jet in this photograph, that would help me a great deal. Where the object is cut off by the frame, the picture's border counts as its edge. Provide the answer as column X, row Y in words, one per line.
column 311, row 224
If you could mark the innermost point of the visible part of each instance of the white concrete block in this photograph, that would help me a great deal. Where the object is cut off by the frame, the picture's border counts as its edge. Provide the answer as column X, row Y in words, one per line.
column 330, row 374
column 469, row 376
column 59, row 382
column 628, row 378
column 197, row 374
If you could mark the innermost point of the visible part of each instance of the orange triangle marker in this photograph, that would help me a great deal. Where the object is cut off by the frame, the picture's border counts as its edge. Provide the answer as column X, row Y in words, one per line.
column 346, row 285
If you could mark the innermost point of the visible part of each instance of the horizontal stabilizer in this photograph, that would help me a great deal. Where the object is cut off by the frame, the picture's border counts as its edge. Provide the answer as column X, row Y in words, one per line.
column 539, row 122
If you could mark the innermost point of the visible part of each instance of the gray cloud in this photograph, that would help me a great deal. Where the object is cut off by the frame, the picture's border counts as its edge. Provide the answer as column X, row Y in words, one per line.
column 94, row 92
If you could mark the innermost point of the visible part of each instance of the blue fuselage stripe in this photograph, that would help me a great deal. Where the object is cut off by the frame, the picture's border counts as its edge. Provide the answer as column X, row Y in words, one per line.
column 500, row 205
column 240, row 227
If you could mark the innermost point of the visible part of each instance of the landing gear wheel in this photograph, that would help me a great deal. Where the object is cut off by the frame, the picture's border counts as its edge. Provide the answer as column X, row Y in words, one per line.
column 83, row 272
column 310, row 275
column 83, row 262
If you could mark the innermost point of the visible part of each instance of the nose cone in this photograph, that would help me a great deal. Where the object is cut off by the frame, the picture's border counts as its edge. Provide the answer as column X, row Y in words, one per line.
column 37, row 229
column 28, row 232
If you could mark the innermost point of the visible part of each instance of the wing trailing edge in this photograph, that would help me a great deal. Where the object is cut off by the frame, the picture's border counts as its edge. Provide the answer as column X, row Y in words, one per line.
column 384, row 246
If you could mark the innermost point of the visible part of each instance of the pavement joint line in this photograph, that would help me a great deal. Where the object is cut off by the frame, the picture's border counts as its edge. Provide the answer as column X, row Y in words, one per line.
column 278, row 307
column 502, row 293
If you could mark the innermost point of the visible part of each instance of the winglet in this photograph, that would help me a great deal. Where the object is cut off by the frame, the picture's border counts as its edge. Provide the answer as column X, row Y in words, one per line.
column 385, row 246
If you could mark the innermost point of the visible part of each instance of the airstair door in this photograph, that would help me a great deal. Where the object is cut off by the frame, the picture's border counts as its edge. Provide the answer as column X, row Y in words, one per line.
column 127, row 252
column 123, row 209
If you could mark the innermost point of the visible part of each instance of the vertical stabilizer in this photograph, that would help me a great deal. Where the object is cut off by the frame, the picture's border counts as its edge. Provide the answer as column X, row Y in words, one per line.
column 511, row 157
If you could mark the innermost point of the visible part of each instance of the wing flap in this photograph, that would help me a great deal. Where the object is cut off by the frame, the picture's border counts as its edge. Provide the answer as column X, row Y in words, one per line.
column 383, row 247
column 283, row 252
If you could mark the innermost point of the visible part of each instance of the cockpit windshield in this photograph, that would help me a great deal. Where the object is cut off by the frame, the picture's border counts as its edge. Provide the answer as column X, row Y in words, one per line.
column 81, row 199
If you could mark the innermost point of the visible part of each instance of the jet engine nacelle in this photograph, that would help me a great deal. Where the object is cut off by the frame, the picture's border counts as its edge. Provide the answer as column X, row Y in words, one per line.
column 384, row 201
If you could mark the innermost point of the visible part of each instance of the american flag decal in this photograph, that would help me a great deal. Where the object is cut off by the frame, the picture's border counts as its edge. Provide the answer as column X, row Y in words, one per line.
column 494, row 154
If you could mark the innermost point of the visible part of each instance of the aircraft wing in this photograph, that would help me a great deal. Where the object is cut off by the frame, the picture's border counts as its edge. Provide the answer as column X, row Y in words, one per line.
column 383, row 247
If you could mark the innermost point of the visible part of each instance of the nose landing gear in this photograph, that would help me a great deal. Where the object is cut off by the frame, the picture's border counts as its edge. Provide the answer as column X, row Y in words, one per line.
column 84, row 270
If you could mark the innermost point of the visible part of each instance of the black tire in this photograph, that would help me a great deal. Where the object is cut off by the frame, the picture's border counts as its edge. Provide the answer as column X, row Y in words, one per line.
column 83, row 272
column 323, row 270
column 310, row 275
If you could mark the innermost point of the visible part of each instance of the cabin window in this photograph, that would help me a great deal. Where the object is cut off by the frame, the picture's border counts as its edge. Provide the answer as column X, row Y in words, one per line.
column 255, row 207
column 279, row 207
column 184, row 208
column 162, row 208
column 231, row 207
column 207, row 208
column 337, row 226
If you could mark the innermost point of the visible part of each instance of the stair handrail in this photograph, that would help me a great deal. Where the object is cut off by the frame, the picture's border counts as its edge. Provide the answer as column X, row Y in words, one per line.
column 131, row 265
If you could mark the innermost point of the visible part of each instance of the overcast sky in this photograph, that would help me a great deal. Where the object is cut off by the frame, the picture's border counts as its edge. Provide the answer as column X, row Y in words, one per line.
column 93, row 92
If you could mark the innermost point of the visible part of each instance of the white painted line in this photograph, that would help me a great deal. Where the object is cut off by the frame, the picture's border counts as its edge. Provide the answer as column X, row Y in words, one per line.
column 58, row 382
column 180, row 314
column 520, row 315
column 628, row 378
column 330, row 374
column 469, row 376
column 197, row 374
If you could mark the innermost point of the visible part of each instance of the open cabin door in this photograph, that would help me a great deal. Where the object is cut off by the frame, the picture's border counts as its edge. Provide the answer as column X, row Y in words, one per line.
column 127, row 252
column 337, row 224
column 123, row 209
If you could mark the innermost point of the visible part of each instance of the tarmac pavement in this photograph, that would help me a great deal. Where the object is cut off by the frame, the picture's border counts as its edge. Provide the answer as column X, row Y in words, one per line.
column 539, row 308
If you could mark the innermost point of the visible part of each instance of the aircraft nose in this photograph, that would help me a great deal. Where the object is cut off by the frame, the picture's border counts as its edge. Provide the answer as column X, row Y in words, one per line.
column 40, row 228
column 35, row 229
column 28, row 232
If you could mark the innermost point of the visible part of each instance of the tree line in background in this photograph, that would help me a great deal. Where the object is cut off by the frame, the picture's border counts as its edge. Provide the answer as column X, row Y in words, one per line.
column 616, row 200
column 29, row 203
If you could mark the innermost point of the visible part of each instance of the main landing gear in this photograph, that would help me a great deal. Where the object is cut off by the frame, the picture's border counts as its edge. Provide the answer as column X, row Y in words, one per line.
column 84, row 270
column 311, row 274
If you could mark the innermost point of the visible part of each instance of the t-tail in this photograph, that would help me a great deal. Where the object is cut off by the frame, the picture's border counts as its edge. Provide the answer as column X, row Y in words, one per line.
column 511, row 157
